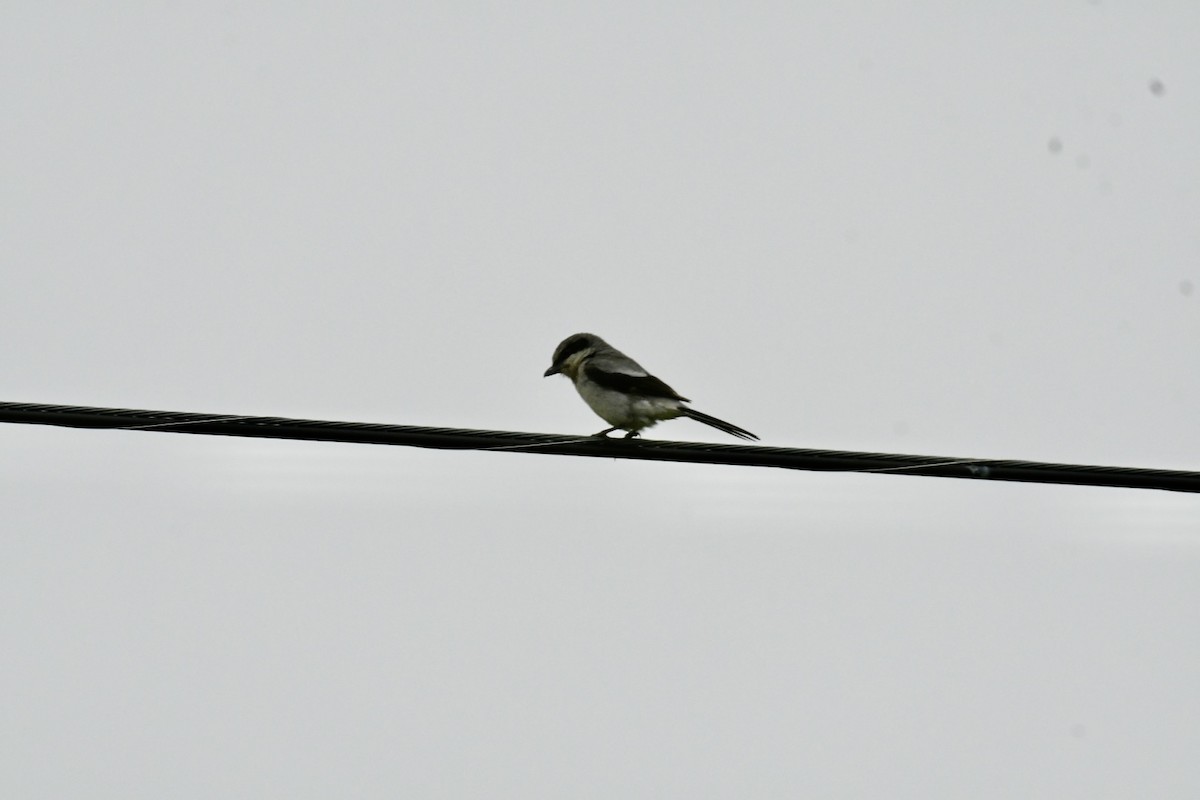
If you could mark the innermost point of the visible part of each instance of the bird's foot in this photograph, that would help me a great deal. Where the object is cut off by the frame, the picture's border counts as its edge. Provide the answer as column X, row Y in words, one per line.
column 604, row 434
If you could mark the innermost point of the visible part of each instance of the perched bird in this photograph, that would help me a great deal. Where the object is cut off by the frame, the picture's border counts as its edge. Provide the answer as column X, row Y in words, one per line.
column 622, row 393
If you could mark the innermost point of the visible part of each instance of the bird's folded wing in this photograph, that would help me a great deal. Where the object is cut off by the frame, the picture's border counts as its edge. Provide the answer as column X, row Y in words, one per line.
column 641, row 385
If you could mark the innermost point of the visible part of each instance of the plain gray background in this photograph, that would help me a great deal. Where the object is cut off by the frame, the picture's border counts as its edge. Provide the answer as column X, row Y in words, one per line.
column 939, row 228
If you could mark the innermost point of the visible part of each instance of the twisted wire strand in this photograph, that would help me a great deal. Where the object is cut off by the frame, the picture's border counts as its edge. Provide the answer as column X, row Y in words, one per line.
column 98, row 418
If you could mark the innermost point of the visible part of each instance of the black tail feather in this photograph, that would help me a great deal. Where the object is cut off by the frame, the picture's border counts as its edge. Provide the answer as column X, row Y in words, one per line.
column 719, row 424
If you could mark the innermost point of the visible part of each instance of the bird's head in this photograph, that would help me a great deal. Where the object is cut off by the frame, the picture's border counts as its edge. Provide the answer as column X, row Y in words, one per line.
column 572, row 352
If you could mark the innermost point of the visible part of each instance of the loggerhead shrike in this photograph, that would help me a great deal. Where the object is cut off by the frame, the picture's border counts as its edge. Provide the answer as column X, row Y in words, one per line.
column 622, row 393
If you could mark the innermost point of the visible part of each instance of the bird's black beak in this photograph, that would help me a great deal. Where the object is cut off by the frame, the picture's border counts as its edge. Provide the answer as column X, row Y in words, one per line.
column 554, row 370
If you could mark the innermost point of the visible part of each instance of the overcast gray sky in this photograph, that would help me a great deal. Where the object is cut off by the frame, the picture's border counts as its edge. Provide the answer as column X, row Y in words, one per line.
column 939, row 228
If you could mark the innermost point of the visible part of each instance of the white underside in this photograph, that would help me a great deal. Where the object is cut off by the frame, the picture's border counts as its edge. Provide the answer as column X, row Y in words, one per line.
column 628, row 412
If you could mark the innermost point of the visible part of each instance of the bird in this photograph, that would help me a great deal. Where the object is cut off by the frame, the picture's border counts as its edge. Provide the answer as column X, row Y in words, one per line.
column 621, row 392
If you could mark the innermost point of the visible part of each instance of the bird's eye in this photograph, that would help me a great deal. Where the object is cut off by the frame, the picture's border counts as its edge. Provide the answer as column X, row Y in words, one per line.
column 570, row 348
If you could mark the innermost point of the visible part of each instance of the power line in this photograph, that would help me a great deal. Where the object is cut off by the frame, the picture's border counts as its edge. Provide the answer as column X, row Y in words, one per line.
column 644, row 449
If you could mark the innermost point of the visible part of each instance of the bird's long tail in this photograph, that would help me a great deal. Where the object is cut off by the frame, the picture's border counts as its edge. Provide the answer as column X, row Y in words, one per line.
column 719, row 424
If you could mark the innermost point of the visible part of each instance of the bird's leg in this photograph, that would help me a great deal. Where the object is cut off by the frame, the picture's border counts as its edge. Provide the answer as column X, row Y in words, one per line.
column 632, row 435
column 604, row 433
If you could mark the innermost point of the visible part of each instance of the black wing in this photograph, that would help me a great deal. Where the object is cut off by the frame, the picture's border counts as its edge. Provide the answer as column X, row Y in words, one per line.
column 642, row 385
